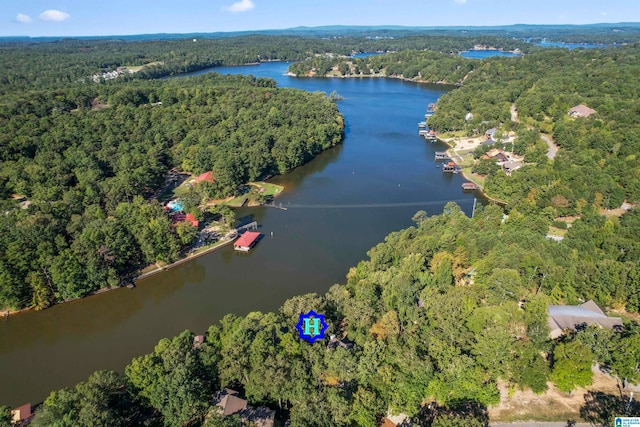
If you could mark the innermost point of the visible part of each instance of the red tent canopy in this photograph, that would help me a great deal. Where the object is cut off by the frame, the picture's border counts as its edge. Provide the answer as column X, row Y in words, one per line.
column 206, row 177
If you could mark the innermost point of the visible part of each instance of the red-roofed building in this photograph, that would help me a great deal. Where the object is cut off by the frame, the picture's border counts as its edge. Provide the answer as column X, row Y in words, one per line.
column 246, row 241
column 206, row 177
column 21, row 414
column 192, row 219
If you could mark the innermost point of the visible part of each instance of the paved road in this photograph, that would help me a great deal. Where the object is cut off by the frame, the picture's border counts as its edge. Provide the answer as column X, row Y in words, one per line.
column 553, row 148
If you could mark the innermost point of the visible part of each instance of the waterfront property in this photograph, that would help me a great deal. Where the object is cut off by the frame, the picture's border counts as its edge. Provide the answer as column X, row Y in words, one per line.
column 450, row 167
column 21, row 415
column 442, row 155
column 570, row 317
column 247, row 241
column 470, row 186
column 431, row 136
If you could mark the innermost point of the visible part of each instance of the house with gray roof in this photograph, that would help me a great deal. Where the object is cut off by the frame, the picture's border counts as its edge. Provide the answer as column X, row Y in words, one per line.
column 569, row 317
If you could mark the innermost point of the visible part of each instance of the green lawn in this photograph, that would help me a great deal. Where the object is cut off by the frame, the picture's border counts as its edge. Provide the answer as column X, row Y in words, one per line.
column 237, row 202
column 270, row 190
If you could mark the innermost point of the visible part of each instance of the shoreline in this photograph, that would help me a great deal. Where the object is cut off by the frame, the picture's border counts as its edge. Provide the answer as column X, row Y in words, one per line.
column 5, row 313
column 467, row 177
column 372, row 76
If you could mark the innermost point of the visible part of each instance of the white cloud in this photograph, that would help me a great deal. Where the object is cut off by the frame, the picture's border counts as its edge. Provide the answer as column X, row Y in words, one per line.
column 54, row 15
column 460, row 1
column 23, row 19
column 240, row 6
column 603, row 13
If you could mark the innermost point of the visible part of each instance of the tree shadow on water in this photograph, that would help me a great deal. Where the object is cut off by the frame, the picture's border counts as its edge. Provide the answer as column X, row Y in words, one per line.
column 467, row 413
column 600, row 409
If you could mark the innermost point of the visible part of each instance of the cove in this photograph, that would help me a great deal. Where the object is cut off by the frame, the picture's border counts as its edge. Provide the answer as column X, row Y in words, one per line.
column 339, row 205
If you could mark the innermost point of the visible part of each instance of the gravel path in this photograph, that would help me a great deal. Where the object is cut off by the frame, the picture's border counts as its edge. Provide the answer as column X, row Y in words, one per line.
column 553, row 148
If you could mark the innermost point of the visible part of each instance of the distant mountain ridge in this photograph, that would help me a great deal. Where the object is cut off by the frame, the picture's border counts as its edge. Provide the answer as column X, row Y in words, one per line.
column 515, row 30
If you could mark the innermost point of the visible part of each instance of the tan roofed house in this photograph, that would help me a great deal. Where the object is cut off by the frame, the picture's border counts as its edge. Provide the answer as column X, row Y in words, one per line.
column 563, row 317
column 229, row 403
column 581, row 111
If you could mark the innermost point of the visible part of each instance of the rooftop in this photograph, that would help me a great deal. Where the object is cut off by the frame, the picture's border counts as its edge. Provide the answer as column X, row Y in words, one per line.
column 247, row 239
column 563, row 317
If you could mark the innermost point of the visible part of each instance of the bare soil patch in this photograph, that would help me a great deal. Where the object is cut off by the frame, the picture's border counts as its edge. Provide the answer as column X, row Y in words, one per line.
column 553, row 405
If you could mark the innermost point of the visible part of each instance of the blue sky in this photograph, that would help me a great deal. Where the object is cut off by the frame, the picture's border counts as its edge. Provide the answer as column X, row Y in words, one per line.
column 120, row 17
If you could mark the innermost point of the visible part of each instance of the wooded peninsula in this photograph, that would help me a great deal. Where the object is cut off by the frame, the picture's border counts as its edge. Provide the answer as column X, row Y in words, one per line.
column 439, row 320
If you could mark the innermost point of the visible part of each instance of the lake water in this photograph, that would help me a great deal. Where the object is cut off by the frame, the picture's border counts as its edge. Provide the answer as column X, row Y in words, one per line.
column 486, row 53
column 340, row 205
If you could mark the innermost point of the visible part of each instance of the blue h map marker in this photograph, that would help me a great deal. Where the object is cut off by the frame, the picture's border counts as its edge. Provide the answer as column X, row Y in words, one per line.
column 311, row 326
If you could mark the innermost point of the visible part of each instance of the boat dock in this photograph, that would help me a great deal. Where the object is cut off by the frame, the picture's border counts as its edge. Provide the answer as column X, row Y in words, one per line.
column 273, row 205
column 450, row 167
column 442, row 155
column 247, row 241
column 470, row 186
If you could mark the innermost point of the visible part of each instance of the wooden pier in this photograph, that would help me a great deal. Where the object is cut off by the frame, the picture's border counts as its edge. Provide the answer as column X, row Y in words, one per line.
column 251, row 226
column 273, row 205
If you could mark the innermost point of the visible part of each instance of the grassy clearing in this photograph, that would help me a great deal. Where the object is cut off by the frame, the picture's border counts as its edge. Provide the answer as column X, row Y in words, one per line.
column 270, row 190
column 136, row 68
column 237, row 202
column 555, row 231
column 453, row 134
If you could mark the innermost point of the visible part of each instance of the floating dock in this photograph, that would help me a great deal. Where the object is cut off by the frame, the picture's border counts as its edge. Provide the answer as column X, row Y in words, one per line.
column 470, row 186
column 450, row 167
column 247, row 241
column 442, row 155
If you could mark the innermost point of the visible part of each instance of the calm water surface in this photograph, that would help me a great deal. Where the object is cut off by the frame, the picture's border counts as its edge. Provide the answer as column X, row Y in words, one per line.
column 340, row 205
column 486, row 53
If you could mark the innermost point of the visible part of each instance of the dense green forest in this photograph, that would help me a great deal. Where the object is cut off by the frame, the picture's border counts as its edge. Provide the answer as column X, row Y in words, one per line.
column 88, row 157
column 427, row 66
column 66, row 62
column 597, row 162
column 439, row 313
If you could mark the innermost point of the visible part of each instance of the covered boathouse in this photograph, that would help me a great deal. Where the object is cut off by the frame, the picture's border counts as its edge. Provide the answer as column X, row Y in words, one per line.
column 247, row 241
